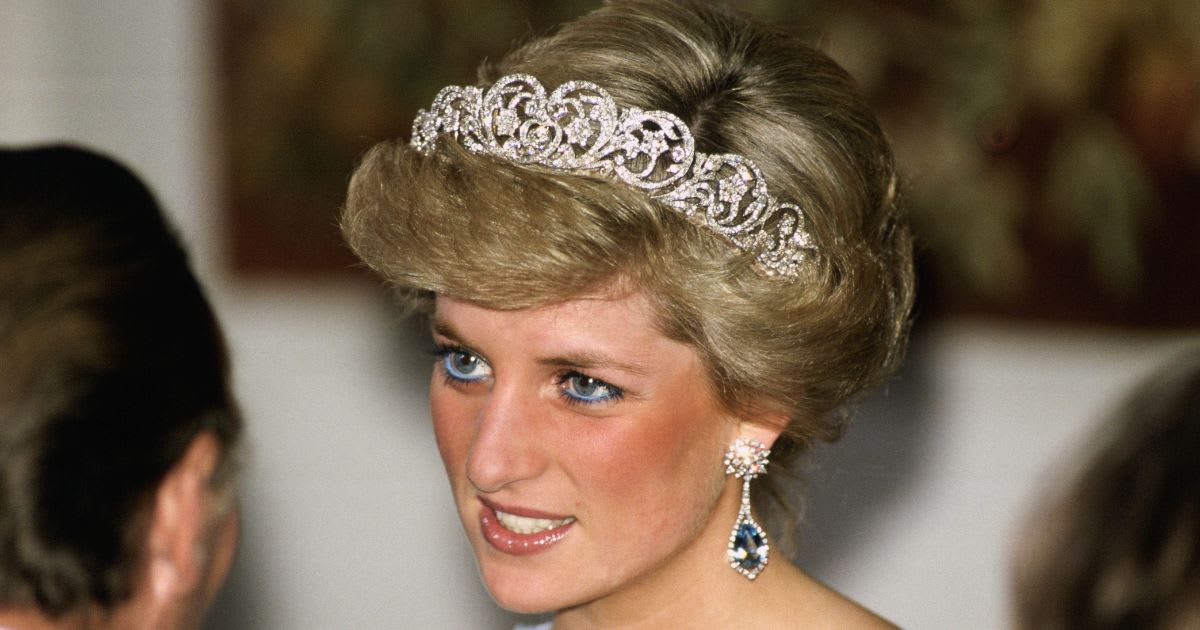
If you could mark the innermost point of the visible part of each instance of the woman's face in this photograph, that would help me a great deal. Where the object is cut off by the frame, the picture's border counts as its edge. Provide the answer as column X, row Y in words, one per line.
column 584, row 448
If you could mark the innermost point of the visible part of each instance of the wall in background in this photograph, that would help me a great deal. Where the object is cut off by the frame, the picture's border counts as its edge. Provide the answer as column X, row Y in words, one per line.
column 347, row 522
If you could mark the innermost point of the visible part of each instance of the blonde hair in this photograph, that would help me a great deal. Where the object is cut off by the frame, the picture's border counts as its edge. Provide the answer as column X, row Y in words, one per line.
column 512, row 237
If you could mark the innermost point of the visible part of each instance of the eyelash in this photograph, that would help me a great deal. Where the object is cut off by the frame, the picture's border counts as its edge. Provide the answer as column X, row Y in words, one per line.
column 614, row 394
column 562, row 380
column 442, row 352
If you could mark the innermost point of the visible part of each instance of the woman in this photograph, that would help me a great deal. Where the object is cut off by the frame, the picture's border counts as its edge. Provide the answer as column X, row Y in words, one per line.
column 117, row 425
column 653, row 246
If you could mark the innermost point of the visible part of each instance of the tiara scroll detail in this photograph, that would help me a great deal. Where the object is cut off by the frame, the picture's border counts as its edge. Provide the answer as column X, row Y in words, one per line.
column 579, row 128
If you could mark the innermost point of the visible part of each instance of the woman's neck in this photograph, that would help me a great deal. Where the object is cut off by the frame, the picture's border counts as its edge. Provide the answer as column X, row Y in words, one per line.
column 702, row 599
column 695, row 588
column 782, row 596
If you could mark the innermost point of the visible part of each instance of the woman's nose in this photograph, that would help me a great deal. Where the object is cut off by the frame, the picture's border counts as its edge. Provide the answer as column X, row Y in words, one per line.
column 505, row 449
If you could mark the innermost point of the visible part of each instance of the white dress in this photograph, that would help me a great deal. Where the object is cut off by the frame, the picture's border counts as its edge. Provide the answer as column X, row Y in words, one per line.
column 545, row 625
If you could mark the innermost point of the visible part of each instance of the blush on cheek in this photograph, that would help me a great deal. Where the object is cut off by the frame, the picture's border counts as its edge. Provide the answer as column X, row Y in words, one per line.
column 451, row 429
column 651, row 464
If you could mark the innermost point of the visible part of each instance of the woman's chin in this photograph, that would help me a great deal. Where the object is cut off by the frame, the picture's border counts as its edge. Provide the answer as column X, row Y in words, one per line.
column 527, row 594
column 523, row 607
column 524, row 601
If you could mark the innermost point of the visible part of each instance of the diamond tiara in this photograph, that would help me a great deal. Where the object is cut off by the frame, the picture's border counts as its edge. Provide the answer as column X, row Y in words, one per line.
column 580, row 129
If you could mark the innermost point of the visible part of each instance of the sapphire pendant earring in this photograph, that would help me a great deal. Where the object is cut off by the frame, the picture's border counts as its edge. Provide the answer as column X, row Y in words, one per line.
column 748, row 547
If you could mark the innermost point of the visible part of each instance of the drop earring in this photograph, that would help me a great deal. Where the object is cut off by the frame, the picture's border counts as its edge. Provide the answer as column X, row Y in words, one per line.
column 748, row 547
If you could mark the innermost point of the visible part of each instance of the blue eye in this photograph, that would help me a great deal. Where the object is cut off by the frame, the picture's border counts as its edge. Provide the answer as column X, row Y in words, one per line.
column 463, row 365
column 580, row 388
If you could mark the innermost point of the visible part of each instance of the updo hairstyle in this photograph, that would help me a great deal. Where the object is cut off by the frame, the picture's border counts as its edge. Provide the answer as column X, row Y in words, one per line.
column 512, row 237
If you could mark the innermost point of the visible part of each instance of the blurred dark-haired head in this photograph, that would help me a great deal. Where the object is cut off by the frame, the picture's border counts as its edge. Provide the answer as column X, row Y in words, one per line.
column 1119, row 547
column 113, row 378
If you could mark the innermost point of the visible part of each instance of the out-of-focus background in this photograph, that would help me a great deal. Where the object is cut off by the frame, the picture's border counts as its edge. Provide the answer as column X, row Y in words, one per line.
column 1052, row 156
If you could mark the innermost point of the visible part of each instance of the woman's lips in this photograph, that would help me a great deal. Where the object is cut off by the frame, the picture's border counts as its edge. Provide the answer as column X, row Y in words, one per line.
column 520, row 532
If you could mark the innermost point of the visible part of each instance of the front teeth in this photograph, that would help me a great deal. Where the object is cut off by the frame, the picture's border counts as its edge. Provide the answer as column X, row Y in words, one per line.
column 526, row 525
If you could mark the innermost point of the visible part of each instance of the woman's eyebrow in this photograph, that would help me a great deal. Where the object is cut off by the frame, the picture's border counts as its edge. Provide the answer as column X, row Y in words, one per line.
column 445, row 329
column 587, row 359
column 580, row 359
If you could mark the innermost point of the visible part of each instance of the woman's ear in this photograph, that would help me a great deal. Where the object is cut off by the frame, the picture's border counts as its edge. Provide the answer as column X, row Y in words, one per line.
column 765, row 428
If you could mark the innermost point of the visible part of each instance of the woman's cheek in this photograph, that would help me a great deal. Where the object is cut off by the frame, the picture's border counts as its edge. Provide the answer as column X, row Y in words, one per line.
column 452, row 426
column 640, row 459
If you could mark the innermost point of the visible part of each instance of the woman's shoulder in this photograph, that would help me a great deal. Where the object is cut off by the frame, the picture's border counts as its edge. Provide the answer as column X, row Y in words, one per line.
column 810, row 603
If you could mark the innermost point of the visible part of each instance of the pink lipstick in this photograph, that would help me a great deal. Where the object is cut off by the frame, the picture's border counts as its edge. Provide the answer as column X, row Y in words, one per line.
column 534, row 531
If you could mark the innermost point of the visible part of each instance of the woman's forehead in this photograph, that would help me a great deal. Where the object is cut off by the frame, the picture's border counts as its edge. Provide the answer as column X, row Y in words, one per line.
column 624, row 326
